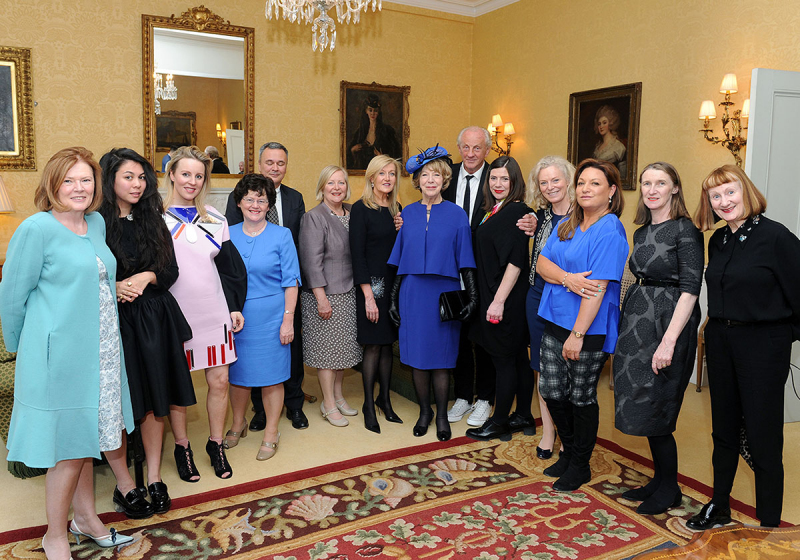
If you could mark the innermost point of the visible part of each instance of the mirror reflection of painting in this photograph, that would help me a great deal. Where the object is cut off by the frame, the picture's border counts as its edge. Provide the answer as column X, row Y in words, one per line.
column 374, row 135
column 609, row 147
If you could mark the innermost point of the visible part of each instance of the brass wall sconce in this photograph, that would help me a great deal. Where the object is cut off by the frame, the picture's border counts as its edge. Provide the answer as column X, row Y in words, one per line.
column 223, row 137
column 734, row 139
column 495, row 127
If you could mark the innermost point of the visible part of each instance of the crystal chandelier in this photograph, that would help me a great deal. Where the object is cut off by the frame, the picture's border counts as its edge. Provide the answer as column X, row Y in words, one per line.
column 167, row 93
column 323, row 30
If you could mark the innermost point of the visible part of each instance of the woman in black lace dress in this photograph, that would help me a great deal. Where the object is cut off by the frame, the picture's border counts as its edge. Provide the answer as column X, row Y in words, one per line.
column 655, row 353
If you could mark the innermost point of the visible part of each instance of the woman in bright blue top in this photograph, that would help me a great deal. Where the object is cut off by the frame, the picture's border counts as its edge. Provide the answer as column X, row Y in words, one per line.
column 432, row 248
column 582, row 264
column 273, row 275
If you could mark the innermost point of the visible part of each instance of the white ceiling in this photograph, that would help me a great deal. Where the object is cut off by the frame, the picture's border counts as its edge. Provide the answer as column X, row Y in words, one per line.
column 472, row 8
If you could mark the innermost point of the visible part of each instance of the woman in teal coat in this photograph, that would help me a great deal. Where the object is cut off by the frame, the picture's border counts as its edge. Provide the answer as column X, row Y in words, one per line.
column 58, row 309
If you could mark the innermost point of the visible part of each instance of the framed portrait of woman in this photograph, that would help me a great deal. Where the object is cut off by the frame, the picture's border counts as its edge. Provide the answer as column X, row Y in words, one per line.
column 374, row 122
column 17, row 146
column 604, row 124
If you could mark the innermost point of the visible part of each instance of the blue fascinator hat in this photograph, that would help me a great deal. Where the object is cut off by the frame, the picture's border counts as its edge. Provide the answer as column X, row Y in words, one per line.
column 417, row 162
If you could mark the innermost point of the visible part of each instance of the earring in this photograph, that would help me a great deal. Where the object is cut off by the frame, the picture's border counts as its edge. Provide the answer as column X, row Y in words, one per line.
column 371, row 185
column 609, row 201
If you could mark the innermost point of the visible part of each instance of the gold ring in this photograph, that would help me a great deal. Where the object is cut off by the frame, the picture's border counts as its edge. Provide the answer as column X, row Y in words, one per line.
column 130, row 283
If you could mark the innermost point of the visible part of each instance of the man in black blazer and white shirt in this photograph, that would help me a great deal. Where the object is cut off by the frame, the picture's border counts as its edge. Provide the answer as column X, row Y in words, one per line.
column 273, row 159
column 472, row 374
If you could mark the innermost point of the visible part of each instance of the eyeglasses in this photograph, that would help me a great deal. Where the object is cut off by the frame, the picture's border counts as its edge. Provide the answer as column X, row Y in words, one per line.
column 251, row 201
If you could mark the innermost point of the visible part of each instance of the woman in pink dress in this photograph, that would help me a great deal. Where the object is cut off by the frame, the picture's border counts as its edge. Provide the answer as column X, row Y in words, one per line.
column 211, row 290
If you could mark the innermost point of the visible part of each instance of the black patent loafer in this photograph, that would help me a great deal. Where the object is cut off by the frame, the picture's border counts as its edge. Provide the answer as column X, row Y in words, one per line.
column 159, row 497
column 709, row 517
column 298, row 418
column 543, row 453
column 134, row 504
column 259, row 421
column 490, row 430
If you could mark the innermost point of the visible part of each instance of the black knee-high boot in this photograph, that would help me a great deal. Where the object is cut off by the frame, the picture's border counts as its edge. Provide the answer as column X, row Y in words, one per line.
column 586, row 422
column 561, row 412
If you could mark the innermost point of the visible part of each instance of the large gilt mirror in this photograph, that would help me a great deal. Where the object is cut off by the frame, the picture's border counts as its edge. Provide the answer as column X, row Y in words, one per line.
column 197, row 81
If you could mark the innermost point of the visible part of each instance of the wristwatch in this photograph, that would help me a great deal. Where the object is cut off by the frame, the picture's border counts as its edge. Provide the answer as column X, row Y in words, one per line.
column 577, row 334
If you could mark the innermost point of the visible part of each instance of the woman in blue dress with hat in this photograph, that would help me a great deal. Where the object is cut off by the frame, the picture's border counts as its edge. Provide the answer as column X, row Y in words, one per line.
column 433, row 251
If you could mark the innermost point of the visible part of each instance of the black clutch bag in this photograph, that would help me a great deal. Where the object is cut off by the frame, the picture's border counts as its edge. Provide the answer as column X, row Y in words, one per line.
column 451, row 304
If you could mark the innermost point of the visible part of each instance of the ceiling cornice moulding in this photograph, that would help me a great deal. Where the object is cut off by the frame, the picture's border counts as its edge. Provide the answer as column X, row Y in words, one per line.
column 471, row 8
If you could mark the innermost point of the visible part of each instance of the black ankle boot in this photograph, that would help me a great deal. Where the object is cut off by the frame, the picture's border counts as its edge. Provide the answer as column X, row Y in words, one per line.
column 184, row 460
column 216, row 452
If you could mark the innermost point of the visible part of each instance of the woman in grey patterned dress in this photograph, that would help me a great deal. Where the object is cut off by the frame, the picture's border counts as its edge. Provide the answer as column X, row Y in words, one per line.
column 654, row 358
column 329, row 294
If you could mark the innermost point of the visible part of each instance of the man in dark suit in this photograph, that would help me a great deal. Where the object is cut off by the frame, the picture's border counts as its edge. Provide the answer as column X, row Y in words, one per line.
column 475, row 372
column 217, row 165
column 272, row 161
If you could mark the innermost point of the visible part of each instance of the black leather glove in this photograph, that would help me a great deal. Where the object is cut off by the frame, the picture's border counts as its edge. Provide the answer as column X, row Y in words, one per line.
column 394, row 305
column 471, row 286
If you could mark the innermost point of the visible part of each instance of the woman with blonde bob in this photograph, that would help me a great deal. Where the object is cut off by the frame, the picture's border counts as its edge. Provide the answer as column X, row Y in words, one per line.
column 372, row 236
column 654, row 358
column 211, row 291
column 753, row 310
column 551, row 195
column 57, row 303
column 582, row 264
column 329, row 294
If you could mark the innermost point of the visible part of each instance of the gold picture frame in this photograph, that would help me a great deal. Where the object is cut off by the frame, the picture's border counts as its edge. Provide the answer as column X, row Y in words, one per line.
column 618, row 141
column 393, row 130
column 17, row 141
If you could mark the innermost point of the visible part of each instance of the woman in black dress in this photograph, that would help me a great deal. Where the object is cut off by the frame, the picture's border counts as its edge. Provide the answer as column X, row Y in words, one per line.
column 372, row 236
column 657, row 342
column 501, row 253
column 753, row 315
column 372, row 137
column 152, row 327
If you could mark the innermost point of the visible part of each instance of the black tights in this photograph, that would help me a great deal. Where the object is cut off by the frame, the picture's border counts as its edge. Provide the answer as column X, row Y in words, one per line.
column 377, row 366
column 514, row 379
column 441, row 390
column 665, row 463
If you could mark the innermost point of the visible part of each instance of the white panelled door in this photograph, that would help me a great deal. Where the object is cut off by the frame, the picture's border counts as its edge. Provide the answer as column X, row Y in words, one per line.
column 773, row 163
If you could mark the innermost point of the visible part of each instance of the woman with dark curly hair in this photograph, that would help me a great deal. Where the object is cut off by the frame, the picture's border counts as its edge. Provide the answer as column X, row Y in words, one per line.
column 152, row 326
column 372, row 137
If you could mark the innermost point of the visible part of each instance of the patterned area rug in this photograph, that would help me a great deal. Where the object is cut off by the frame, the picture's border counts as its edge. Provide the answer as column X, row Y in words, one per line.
column 461, row 500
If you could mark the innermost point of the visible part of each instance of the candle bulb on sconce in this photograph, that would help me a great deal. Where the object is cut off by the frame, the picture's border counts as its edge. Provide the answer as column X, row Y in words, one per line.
column 734, row 139
column 495, row 127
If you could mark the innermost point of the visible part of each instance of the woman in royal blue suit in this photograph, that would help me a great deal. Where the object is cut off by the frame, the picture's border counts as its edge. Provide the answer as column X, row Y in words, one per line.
column 57, row 302
column 432, row 248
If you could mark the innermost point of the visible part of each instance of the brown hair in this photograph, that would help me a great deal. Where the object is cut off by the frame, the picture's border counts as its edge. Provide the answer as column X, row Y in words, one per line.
column 567, row 228
column 516, row 191
column 195, row 153
column 677, row 207
column 752, row 199
column 439, row 166
column 46, row 196
column 375, row 165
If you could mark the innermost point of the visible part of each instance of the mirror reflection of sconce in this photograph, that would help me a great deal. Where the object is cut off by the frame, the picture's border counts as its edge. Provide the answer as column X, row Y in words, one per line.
column 223, row 137
column 495, row 127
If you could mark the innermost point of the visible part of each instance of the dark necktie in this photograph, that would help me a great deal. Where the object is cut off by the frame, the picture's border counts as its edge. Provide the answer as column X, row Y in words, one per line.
column 467, row 198
column 272, row 216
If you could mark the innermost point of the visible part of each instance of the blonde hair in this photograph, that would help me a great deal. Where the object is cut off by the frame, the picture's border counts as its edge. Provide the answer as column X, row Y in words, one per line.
column 753, row 201
column 374, row 167
column 439, row 166
column 46, row 196
column 326, row 175
column 535, row 197
column 195, row 153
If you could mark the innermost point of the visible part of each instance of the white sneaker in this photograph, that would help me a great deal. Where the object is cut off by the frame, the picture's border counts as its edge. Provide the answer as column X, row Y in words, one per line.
column 458, row 410
column 480, row 413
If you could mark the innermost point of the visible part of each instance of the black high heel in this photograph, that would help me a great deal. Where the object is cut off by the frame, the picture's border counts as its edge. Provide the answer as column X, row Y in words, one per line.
column 370, row 423
column 443, row 434
column 421, row 427
column 388, row 413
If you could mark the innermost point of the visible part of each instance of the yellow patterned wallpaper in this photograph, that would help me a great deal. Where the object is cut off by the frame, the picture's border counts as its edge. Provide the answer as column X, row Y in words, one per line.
column 87, row 80
column 534, row 54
